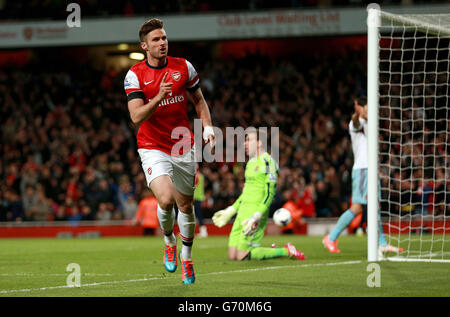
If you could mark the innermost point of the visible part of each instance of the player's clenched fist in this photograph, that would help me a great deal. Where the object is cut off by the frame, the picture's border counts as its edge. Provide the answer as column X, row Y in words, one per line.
column 221, row 217
column 164, row 88
column 208, row 136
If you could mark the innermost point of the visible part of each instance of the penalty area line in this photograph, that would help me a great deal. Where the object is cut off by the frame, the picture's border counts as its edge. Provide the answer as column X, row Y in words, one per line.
column 25, row 290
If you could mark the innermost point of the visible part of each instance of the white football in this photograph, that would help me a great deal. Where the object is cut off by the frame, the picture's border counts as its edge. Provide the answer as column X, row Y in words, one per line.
column 282, row 217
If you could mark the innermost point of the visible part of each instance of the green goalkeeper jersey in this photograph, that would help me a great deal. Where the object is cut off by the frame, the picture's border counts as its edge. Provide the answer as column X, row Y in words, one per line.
column 261, row 175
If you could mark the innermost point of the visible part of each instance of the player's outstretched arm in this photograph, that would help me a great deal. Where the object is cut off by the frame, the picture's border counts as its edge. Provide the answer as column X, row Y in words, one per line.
column 141, row 111
column 221, row 217
column 203, row 113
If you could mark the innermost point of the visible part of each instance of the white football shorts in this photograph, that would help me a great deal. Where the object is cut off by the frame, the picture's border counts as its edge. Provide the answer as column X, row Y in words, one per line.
column 181, row 169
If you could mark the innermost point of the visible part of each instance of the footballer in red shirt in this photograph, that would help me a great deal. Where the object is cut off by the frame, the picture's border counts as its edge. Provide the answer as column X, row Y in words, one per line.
column 157, row 91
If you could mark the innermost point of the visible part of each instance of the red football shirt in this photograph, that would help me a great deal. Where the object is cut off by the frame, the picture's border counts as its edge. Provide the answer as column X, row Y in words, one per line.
column 169, row 124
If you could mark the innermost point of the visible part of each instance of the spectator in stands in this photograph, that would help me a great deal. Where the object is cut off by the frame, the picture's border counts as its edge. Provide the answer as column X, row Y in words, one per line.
column 75, row 214
column 42, row 208
column 146, row 215
column 130, row 207
column 125, row 193
column 322, row 204
column 104, row 195
column 335, row 185
column 199, row 197
column 306, row 202
column 29, row 200
column 60, row 213
column 3, row 206
column 85, row 211
column 104, row 211
column 15, row 211
column 442, row 189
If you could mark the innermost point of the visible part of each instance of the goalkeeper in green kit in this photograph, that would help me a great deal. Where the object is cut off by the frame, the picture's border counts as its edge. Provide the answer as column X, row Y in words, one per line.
column 252, row 207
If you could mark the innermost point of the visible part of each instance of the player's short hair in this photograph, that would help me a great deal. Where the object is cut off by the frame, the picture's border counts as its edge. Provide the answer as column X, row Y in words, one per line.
column 148, row 26
column 361, row 100
column 261, row 135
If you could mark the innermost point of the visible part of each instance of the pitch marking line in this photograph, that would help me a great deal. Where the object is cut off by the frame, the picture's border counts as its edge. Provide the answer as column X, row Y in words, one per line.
column 160, row 278
column 54, row 274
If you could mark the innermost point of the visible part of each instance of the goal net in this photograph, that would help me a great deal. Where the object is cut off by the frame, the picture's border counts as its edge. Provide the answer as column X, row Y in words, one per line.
column 411, row 160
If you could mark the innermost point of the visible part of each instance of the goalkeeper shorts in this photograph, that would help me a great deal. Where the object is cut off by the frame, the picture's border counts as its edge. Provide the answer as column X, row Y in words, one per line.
column 181, row 169
column 237, row 238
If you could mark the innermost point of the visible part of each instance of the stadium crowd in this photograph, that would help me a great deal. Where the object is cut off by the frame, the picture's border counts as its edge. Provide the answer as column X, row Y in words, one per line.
column 69, row 152
column 56, row 9
column 68, row 149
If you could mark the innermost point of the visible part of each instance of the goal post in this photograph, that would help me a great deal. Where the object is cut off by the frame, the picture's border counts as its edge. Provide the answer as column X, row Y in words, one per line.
column 373, row 25
column 408, row 86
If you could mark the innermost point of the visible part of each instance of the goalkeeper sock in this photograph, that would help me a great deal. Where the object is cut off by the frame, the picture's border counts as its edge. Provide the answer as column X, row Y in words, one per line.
column 186, row 223
column 268, row 253
column 381, row 237
column 344, row 220
column 166, row 220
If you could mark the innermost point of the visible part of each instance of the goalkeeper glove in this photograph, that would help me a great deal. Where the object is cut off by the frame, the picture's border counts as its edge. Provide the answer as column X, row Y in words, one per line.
column 251, row 224
column 221, row 217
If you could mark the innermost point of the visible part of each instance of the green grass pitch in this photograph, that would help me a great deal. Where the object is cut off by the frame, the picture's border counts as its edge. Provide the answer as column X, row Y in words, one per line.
column 132, row 267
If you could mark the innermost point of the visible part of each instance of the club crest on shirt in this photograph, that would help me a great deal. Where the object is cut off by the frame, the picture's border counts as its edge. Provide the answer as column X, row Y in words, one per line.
column 176, row 76
column 149, row 171
column 256, row 168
